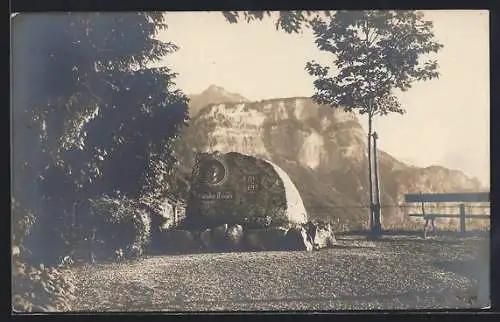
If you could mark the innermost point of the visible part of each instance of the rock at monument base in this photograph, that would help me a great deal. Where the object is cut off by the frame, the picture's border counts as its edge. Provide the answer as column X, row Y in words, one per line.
column 219, row 236
column 227, row 237
column 324, row 236
column 133, row 251
column 234, row 237
column 297, row 239
column 206, row 239
column 265, row 239
column 180, row 241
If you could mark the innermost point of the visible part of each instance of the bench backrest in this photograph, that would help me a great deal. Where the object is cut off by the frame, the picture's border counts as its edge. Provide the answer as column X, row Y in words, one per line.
column 448, row 197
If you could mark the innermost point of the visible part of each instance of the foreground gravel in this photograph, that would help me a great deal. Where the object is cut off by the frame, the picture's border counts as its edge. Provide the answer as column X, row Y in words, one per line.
column 394, row 273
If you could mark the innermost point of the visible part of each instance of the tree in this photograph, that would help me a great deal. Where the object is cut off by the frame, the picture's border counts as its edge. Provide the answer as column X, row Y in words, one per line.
column 88, row 112
column 375, row 53
column 288, row 21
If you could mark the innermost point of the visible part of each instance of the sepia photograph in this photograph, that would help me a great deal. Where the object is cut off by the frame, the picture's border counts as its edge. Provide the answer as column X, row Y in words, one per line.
column 215, row 161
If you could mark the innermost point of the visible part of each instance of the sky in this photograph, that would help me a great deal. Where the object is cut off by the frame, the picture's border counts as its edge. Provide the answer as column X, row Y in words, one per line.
column 447, row 120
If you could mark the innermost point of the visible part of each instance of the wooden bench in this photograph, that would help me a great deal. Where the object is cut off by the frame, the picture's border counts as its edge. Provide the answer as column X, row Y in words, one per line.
column 461, row 198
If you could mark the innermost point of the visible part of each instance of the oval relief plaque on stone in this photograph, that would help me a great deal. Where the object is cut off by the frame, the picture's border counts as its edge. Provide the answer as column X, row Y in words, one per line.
column 212, row 172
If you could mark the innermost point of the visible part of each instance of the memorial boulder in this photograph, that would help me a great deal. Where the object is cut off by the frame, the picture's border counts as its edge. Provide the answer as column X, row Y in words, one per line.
column 237, row 189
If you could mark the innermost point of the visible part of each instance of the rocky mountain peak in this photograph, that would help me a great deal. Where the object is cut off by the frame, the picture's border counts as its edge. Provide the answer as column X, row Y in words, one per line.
column 213, row 94
column 215, row 89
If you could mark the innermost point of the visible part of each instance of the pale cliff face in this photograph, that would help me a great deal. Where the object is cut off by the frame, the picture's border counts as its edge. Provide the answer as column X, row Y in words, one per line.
column 323, row 150
column 295, row 129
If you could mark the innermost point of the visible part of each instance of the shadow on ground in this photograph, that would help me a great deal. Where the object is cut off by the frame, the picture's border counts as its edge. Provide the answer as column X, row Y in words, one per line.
column 473, row 269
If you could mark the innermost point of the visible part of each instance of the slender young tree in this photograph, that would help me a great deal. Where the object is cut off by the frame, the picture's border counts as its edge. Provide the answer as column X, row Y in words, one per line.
column 375, row 53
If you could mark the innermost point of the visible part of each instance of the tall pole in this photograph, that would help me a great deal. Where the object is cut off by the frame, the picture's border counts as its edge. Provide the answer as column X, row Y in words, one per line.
column 174, row 209
column 377, row 210
column 370, row 177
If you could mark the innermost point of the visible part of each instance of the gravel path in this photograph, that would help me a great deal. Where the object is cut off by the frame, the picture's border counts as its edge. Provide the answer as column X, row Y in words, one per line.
column 394, row 273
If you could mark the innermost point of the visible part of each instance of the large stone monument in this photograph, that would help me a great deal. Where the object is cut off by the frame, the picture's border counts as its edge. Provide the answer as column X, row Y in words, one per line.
column 237, row 189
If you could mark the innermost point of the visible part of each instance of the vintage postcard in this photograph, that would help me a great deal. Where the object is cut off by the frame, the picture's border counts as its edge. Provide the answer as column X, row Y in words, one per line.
column 250, row 161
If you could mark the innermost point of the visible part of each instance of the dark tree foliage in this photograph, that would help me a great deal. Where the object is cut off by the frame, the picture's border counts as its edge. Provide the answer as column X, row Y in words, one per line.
column 88, row 112
column 288, row 21
column 375, row 53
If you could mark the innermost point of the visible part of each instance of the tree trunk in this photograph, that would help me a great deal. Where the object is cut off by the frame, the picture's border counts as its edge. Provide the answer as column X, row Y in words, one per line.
column 370, row 177
column 377, row 209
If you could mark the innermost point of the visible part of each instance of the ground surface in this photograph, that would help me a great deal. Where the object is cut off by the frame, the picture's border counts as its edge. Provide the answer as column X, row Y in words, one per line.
column 398, row 272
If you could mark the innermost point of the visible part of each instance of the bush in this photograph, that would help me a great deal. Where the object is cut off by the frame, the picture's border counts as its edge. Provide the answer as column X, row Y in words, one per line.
column 22, row 222
column 43, row 289
column 122, row 226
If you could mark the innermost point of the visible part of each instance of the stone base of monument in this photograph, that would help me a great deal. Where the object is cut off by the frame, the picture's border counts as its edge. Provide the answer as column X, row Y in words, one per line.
column 226, row 237
column 265, row 239
column 324, row 236
column 297, row 238
column 180, row 241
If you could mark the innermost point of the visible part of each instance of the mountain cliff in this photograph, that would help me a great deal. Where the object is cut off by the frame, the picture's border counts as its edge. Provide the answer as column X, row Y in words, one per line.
column 323, row 150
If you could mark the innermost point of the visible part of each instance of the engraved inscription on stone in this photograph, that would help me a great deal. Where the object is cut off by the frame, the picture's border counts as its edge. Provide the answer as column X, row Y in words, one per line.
column 253, row 182
column 216, row 195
